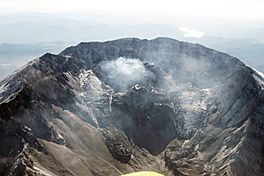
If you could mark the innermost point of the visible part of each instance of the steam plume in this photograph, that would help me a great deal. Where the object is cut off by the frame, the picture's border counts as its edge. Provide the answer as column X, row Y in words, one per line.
column 124, row 72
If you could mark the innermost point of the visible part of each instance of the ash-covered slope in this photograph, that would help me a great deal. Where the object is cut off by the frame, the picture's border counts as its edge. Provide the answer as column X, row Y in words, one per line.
column 129, row 105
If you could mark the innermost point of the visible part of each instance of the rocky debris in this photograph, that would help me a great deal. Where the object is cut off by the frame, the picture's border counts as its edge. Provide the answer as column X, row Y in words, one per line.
column 23, row 164
column 118, row 144
column 147, row 117
column 191, row 105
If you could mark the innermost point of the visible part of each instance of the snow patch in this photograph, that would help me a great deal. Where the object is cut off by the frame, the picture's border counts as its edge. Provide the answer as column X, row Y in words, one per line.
column 90, row 85
column 259, row 77
column 42, row 171
column 27, row 128
column 259, row 73
column 3, row 88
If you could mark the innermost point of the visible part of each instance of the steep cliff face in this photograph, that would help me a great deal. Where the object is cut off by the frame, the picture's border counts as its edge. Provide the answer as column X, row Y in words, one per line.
column 129, row 105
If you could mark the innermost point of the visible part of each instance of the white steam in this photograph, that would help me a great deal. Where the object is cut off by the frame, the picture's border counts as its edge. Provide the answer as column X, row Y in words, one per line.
column 191, row 33
column 122, row 73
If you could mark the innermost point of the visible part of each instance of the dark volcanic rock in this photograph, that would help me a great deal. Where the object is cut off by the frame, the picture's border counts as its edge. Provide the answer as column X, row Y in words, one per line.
column 147, row 117
column 119, row 146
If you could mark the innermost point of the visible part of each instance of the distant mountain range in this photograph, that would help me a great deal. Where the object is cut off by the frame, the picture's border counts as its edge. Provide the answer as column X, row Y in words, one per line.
column 25, row 36
column 13, row 56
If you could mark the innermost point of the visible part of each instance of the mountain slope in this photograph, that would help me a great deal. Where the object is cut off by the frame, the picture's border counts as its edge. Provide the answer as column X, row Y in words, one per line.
column 107, row 108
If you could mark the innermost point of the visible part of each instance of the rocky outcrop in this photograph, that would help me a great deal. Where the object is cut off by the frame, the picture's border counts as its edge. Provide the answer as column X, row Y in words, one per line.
column 147, row 117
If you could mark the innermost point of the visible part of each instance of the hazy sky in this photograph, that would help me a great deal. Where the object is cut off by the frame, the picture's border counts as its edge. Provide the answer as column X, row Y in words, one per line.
column 232, row 26
column 231, row 9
